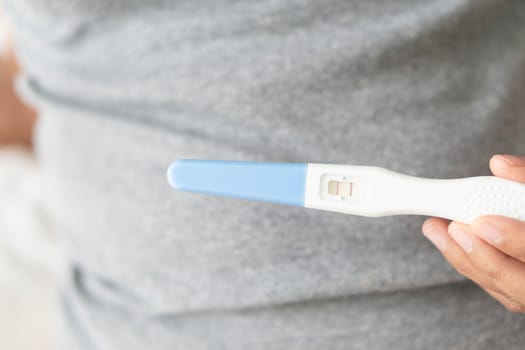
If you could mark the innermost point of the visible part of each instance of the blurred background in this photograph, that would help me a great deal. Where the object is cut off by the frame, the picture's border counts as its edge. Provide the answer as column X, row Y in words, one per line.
column 29, row 258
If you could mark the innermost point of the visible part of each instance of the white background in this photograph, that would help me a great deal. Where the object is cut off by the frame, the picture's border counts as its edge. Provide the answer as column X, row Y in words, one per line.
column 29, row 258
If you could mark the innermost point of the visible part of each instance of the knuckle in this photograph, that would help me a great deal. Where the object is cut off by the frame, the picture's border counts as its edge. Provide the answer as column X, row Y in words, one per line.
column 493, row 272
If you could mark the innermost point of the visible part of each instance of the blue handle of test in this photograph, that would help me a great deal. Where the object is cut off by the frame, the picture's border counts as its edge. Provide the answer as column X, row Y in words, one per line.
column 270, row 182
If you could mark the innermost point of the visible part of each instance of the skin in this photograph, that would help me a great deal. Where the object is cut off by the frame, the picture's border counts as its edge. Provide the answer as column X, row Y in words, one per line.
column 490, row 251
column 16, row 118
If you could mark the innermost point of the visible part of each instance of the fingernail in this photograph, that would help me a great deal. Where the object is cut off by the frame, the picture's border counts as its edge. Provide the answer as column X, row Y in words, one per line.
column 487, row 231
column 460, row 235
column 509, row 160
column 435, row 235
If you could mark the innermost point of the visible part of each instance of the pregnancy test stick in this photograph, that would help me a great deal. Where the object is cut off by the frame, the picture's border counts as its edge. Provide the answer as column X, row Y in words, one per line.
column 351, row 189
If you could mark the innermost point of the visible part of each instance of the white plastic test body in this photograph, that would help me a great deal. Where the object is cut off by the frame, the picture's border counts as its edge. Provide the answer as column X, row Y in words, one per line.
column 350, row 189
column 373, row 191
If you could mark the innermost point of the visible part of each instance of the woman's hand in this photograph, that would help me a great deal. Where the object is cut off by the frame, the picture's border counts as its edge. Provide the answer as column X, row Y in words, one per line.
column 490, row 251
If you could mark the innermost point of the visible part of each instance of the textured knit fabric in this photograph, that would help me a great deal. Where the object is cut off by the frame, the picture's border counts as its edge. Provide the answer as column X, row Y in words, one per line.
column 426, row 87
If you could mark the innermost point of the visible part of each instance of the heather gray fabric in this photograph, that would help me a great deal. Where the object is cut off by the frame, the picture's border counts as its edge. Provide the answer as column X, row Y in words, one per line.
column 430, row 88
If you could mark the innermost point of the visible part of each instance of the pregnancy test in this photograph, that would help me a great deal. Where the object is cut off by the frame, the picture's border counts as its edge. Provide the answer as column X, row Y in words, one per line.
column 351, row 189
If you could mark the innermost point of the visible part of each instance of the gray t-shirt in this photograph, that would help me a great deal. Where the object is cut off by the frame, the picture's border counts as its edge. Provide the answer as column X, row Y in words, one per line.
column 426, row 87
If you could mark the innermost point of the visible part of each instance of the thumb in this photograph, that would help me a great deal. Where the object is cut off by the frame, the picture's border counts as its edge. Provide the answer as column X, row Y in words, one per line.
column 508, row 166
